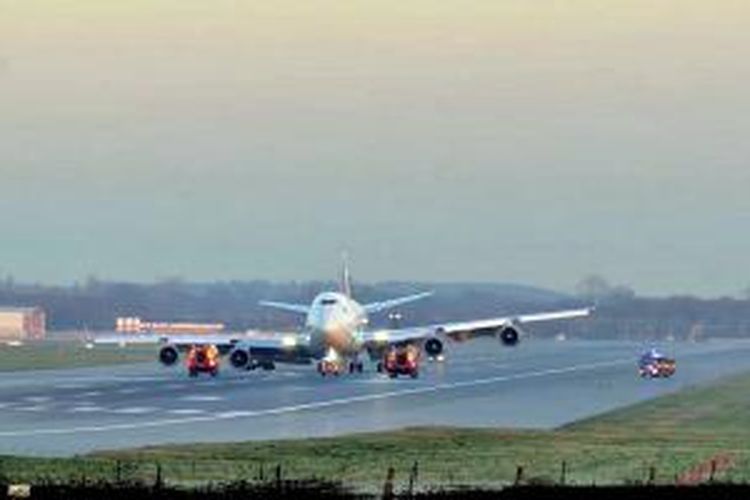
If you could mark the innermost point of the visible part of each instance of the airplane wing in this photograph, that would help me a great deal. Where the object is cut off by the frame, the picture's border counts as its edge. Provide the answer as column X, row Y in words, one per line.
column 388, row 304
column 286, row 347
column 285, row 306
column 468, row 328
column 176, row 340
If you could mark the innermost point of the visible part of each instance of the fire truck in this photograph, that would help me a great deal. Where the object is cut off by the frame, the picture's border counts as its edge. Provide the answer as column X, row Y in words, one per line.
column 402, row 360
column 203, row 359
column 653, row 364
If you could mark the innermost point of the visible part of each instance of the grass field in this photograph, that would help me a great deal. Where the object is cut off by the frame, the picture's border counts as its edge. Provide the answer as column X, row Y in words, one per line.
column 665, row 437
column 68, row 354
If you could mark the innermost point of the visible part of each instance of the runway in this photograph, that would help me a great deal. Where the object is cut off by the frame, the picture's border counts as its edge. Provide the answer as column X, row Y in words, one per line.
column 481, row 384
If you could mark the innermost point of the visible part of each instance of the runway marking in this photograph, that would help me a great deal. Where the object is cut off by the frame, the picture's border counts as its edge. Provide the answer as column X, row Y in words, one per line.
column 37, row 399
column 198, row 398
column 35, row 408
column 90, row 394
column 129, row 391
column 296, row 388
column 85, row 409
column 186, row 411
column 380, row 380
column 318, row 404
column 135, row 410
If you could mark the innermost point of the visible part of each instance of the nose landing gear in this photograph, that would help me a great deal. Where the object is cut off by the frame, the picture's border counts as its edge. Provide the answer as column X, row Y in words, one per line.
column 327, row 367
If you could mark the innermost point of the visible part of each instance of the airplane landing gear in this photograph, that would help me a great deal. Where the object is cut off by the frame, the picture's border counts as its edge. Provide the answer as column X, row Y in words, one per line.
column 356, row 367
column 268, row 365
column 326, row 367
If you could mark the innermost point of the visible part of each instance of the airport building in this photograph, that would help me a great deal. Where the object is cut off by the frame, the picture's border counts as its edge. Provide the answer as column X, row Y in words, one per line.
column 22, row 323
column 137, row 325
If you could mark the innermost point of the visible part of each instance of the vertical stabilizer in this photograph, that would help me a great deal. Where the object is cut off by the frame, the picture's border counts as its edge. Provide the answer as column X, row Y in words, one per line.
column 346, row 279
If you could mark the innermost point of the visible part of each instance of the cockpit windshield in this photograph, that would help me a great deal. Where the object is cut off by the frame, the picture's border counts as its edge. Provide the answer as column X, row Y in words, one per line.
column 328, row 302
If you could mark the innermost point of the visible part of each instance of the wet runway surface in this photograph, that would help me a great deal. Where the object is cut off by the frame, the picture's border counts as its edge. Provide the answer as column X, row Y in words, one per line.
column 536, row 385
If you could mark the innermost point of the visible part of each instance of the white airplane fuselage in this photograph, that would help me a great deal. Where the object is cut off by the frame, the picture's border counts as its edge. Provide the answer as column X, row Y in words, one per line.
column 334, row 323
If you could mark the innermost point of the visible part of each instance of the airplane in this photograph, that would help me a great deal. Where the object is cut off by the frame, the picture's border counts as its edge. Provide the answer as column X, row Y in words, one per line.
column 336, row 336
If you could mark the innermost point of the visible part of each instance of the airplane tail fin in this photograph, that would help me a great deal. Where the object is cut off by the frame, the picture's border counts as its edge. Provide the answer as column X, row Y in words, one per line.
column 346, row 278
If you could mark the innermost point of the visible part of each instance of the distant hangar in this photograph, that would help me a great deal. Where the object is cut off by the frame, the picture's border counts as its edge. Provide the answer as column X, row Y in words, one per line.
column 22, row 323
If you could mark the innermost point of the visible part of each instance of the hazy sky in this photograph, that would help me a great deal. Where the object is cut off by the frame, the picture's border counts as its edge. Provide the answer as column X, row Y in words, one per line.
column 500, row 140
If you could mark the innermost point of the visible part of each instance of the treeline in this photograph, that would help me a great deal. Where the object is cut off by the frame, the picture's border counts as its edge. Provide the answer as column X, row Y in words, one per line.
column 620, row 313
column 95, row 305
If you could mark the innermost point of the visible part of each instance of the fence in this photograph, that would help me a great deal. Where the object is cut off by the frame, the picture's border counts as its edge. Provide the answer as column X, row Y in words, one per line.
column 387, row 480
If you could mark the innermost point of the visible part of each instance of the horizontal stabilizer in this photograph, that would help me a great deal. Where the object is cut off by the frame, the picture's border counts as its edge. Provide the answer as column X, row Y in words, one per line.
column 388, row 304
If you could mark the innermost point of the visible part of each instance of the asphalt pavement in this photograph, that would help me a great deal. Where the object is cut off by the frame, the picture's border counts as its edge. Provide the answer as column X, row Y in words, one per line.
column 539, row 384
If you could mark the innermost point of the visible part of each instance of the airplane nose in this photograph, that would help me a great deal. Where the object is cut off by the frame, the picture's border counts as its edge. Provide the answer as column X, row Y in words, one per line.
column 336, row 337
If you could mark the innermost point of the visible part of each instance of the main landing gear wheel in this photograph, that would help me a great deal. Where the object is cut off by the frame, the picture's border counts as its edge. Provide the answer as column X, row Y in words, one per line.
column 356, row 367
column 268, row 365
column 380, row 367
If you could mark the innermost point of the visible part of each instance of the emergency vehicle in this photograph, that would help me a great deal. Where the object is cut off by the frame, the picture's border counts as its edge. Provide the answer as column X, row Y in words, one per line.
column 203, row 359
column 402, row 360
column 653, row 364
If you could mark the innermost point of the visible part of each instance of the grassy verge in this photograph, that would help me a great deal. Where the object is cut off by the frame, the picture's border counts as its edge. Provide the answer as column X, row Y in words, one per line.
column 69, row 354
column 665, row 436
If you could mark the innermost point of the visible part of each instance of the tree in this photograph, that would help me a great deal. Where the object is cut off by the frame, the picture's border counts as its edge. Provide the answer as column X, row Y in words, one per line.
column 593, row 287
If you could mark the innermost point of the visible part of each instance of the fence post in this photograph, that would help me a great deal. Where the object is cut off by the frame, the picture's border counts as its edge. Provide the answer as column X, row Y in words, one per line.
column 158, row 481
column 713, row 471
column 413, row 477
column 278, row 478
column 651, row 475
column 519, row 475
column 563, row 472
column 388, row 486
column 118, row 471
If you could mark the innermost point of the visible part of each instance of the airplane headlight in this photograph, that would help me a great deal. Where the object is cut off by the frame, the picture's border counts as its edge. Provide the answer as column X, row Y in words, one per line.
column 289, row 341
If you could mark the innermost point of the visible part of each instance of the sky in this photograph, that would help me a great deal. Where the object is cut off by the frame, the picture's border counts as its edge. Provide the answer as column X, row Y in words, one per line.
column 519, row 141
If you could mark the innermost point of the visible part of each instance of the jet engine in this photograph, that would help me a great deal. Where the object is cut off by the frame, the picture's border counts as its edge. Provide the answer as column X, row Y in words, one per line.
column 433, row 347
column 168, row 355
column 239, row 358
column 509, row 335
